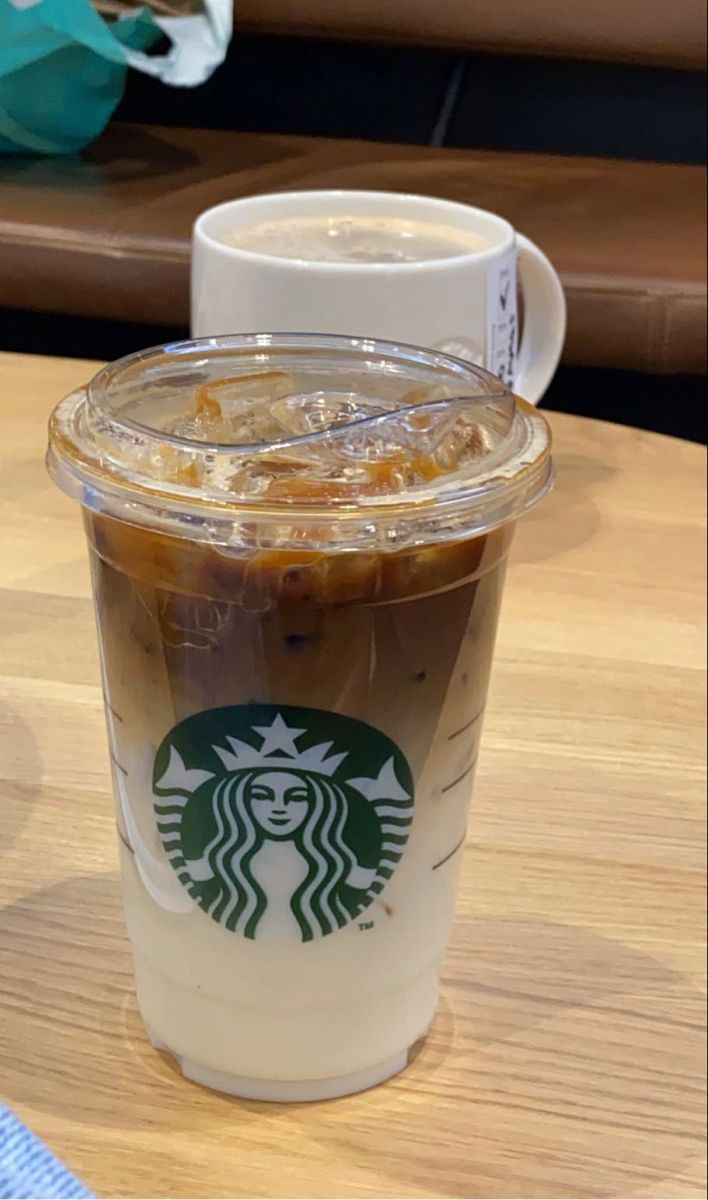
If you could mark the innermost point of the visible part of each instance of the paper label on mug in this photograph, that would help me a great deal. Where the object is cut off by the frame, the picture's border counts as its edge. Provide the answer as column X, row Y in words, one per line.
column 281, row 823
column 502, row 319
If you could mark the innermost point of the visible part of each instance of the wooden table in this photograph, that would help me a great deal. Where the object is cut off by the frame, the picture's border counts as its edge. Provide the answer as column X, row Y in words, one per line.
column 566, row 1058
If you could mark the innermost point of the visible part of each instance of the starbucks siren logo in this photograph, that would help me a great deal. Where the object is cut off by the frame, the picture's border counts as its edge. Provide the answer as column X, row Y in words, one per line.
column 273, row 831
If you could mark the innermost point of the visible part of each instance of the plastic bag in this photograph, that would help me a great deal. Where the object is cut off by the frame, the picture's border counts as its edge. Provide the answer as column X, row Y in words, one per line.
column 200, row 34
column 63, row 67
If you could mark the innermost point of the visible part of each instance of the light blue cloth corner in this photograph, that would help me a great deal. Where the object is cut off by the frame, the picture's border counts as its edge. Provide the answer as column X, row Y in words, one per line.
column 28, row 1170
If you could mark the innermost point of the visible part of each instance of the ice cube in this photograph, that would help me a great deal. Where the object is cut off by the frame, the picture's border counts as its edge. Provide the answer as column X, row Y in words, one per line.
column 205, row 424
column 257, row 475
column 249, row 480
column 234, row 411
column 314, row 412
column 171, row 465
column 464, row 440
column 428, row 394
column 246, row 403
column 398, row 435
column 230, row 393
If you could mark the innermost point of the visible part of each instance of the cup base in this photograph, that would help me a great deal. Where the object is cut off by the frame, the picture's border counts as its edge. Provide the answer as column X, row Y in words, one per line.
column 284, row 1091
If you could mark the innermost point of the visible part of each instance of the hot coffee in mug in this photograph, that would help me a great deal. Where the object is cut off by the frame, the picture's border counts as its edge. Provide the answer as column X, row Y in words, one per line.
column 355, row 240
column 412, row 269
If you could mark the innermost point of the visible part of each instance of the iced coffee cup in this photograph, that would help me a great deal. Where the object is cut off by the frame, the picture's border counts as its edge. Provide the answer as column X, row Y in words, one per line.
column 298, row 547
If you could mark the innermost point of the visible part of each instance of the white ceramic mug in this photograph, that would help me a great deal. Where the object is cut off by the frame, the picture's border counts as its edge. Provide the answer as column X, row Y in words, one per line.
column 465, row 305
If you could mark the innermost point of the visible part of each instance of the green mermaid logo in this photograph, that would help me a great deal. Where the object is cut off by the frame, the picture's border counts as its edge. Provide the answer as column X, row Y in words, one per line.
column 274, row 821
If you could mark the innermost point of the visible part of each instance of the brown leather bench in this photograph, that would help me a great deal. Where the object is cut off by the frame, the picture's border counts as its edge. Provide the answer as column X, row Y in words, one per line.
column 647, row 31
column 107, row 235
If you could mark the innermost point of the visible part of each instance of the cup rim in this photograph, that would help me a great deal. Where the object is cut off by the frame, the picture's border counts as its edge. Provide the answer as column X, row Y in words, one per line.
column 201, row 232
column 102, row 459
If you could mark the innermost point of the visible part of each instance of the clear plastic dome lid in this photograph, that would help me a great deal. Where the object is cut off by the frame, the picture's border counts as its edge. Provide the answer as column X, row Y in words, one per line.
column 302, row 440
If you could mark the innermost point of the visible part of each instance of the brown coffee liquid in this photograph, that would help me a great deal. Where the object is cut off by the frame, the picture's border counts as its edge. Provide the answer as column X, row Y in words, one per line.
column 401, row 641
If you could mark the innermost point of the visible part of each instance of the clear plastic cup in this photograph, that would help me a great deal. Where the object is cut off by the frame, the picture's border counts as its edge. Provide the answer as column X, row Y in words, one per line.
column 298, row 547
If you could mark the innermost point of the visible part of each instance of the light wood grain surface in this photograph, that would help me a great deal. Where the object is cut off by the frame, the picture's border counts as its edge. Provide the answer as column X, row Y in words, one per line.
column 566, row 1059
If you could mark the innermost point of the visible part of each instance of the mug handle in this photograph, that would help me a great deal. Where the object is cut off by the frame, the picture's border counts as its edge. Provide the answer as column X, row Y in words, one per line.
column 544, row 322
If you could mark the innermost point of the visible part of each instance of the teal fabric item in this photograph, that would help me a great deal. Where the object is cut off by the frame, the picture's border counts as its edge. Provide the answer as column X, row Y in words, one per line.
column 62, row 72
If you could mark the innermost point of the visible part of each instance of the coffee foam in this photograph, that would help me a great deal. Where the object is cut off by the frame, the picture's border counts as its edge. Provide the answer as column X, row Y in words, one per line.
column 353, row 239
